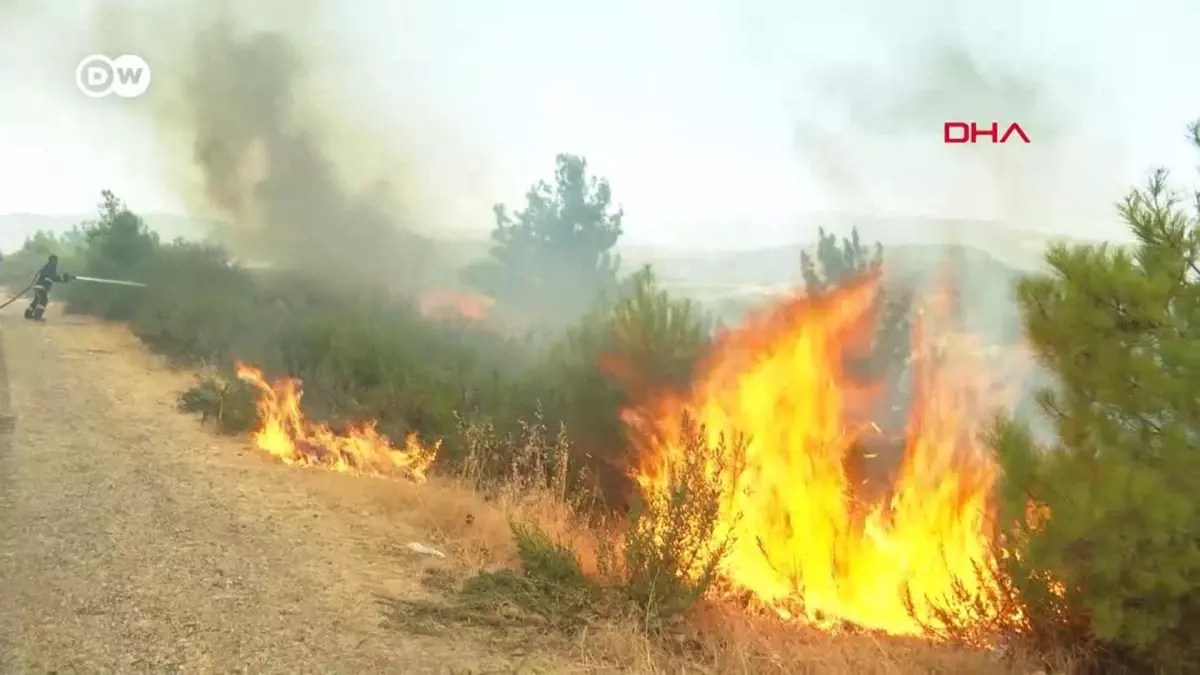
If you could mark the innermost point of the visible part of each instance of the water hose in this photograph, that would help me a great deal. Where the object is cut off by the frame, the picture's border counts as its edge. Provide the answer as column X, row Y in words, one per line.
column 18, row 295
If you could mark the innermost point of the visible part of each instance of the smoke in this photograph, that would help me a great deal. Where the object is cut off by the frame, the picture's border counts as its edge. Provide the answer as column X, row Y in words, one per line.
column 265, row 169
column 11, row 10
column 879, row 147
column 1004, row 202
column 262, row 127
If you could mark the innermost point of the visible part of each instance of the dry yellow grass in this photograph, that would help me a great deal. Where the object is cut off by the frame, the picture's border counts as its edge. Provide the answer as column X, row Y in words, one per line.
column 717, row 637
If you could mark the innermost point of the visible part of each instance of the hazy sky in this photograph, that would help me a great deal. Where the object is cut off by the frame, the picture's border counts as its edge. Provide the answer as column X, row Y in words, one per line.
column 714, row 119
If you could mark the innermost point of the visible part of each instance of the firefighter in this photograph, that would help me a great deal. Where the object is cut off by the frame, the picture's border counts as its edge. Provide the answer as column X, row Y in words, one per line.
column 42, row 283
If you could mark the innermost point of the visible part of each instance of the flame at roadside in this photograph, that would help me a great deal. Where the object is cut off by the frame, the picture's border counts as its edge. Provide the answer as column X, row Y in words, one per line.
column 805, row 537
column 287, row 435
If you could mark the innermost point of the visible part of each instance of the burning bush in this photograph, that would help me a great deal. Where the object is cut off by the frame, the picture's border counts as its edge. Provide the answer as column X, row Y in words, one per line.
column 803, row 536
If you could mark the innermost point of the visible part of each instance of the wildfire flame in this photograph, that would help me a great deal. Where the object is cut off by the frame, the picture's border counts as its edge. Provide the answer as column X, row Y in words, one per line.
column 805, row 536
column 447, row 303
column 288, row 436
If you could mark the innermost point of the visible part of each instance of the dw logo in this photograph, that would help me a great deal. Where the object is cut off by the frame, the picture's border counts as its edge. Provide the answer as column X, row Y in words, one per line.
column 126, row 76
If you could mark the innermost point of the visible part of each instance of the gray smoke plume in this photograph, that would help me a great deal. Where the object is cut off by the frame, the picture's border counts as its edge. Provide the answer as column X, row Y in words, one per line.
column 265, row 136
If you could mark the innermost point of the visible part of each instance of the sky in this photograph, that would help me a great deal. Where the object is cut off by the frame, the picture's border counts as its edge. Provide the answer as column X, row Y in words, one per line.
column 722, row 121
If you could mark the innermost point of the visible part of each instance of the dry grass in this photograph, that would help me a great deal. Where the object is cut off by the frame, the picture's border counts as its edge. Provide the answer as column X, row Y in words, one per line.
column 469, row 517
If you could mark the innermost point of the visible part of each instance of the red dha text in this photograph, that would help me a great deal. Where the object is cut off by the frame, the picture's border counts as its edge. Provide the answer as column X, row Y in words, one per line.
column 970, row 132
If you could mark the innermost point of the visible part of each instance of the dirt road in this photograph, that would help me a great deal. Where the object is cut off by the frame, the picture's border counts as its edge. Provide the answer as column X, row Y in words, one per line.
column 133, row 540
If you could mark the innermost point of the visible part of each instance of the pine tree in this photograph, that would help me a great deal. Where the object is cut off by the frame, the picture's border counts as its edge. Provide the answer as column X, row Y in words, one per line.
column 837, row 262
column 557, row 254
column 640, row 341
column 1107, row 520
column 834, row 264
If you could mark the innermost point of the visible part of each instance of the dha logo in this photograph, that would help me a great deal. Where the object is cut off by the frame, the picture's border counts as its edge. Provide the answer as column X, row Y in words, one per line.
column 969, row 132
column 127, row 76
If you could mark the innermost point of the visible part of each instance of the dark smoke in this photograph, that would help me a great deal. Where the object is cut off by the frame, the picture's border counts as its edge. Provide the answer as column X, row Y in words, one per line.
column 260, row 135
column 269, row 175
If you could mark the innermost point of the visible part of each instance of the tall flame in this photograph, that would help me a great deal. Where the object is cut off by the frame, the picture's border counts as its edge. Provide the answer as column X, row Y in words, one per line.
column 803, row 536
column 294, row 440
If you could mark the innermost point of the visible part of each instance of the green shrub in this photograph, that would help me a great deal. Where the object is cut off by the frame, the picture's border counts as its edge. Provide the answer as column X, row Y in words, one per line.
column 228, row 403
column 197, row 309
column 551, row 584
column 552, row 564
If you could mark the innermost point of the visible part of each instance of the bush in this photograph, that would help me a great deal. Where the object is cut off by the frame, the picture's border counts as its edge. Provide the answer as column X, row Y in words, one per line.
column 667, row 561
column 675, row 543
column 551, row 586
column 638, row 343
column 229, row 404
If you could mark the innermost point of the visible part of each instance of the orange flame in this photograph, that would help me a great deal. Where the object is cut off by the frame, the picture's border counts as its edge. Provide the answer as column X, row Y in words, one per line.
column 803, row 536
column 446, row 303
column 286, row 435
